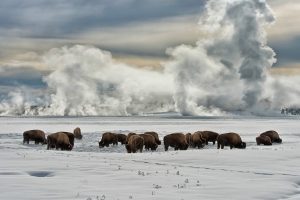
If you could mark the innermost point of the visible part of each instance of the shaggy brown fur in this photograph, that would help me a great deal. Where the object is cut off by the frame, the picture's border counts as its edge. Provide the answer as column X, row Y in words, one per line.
column 77, row 133
column 197, row 140
column 274, row 136
column 107, row 139
column 230, row 139
column 121, row 138
column 128, row 136
column 149, row 142
column 135, row 143
column 71, row 137
column 263, row 139
column 188, row 138
column 176, row 140
column 59, row 140
column 155, row 135
column 209, row 136
column 37, row 136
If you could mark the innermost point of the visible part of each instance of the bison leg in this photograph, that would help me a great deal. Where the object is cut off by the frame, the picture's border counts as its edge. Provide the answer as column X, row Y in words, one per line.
column 231, row 146
column 26, row 140
column 166, row 147
column 214, row 142
column 222, row 146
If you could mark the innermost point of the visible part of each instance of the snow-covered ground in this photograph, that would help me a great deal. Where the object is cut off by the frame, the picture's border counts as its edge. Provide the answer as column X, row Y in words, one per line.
column 87, row 172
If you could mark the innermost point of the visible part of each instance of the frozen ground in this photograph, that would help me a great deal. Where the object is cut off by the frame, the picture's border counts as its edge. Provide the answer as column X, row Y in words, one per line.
column 258, row 172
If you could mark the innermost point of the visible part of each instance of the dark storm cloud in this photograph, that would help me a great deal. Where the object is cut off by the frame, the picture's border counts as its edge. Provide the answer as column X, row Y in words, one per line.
column 287, row 51
column 56, row 18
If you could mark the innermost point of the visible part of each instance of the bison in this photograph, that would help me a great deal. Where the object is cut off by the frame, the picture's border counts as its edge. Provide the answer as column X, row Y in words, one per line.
column 175, row 140
column 121, row 138
column 149, row 142
column 71, row 137
column 128, row 136
column 273, row 135
column 135, row 143
column 188, row 138
column 197, row 140
column 107, row 139
column 263, row 139
column 77, row 133
column 209, row 136
column 37, row 136
column 230, row 139
column 59, row 140
column 155, row 135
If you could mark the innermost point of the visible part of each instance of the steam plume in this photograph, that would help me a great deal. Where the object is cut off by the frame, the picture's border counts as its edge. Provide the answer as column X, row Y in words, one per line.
column 226, row 72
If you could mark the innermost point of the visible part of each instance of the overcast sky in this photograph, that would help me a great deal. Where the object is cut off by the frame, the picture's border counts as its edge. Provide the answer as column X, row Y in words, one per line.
column 135, row 31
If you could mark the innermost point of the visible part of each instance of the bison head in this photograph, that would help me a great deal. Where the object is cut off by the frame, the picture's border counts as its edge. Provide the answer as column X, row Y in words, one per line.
column 242, row 145
column 128, row 148
column 101, row 145
column 278, row 140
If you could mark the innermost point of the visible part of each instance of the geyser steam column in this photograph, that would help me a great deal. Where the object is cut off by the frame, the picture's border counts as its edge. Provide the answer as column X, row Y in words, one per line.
column 227, row 69
column 248, row 19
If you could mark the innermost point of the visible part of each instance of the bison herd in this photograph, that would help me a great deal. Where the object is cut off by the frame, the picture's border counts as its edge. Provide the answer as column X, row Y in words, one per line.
column 60, row 140
column 149, row 140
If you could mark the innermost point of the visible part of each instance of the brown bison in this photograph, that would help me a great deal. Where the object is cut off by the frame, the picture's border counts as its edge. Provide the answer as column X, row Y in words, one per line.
column 135, row 143
column 71, row 137
column 273, row 135
column 37, row 136
column 59, row 140
column 128, row 136
column 107, row 139
column 149, row 142
column 209, row 136
column 230, row 139
column 188, row 138
column 77, row 133
column 155, row 135
column 263, row 139
column 175, row 140
column 197, row 140
column 121, row 138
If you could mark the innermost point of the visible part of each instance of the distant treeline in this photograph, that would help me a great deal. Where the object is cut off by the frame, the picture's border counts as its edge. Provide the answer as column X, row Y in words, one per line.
column 290, row 111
